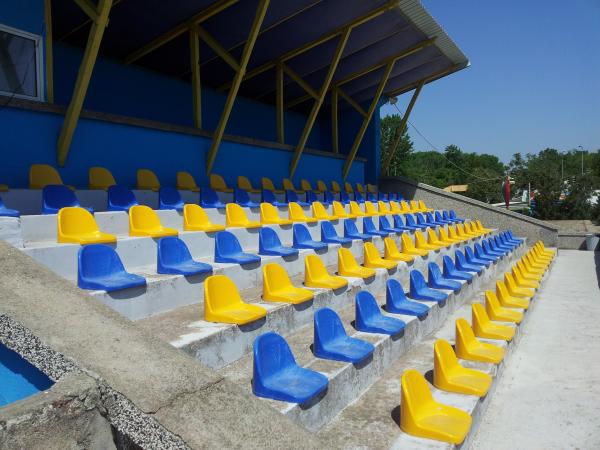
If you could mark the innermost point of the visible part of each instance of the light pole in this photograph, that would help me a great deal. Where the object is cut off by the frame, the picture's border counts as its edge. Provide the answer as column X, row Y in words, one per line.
column 581, row 159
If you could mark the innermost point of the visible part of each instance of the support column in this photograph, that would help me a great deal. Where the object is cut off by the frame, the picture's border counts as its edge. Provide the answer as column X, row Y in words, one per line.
column 48, row 52
column 195, row 68
column 335, row 139
column 279, row 103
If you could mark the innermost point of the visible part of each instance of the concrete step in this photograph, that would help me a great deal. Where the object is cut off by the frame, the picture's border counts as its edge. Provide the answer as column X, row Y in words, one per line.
column 377, row 412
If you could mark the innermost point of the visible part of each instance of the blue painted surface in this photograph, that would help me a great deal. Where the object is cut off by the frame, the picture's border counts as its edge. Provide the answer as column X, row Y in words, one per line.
column 26, row 15
column 18, row 378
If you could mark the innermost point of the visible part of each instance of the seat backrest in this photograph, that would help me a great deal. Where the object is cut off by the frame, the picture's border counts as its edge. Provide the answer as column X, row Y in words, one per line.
column 338, row 209
column 371, row 197
column 501, row 290
column 348, row 187
column 452, row 214
column 394, row 292
column 311, row 197
column 268, row 238
column 272, row 355
column 291, row 196
column 100, row 178
column 169, row 197
column 390, row 246
column 445, row 215
column 469, row 253
column 444, row 356
column 41, row 175
column 227, row 244
column 344, row 197
column 172, row 250
column 383, row 208
column 301, row 233
column 355, row 209
column 268, row 212
column 414, row 205
column 398, row 221
column 491, row 298
column 56, row 196
column 371, row 252
column 194, row 215
column 268, row 196
column 350, row 227
column 329, row 197
column 275, row 277
column 321, row 186
column 460, row 257
column 314, row 267
column 410, row 220
column 384, row 223
column 435, row 274
column 235, row 214
column 244, row 183
column 417, row 281
column 407, row 243
column 382, row 197
column 295, row 211
column 74, row 220
column 346, row 259
column 240, row 196
column 305, row 185
column 449, row 266
column 360, row 188
column 443, row 235
column 366, row 307
column 143, row 217
column 420, row 218
column 146, row 179
column 288, row 185
column 479, row 314
column 394, row 207
column 220, row 292
column 421, row 204
column 464, row 331
column 420, row 239
column 121, row 197
column 327, row 230
column 319, row 210
column 267, row 183
column 415, row 392
column 217, row 182
column 185, row 181
column 438, row 216
column 432, row 237
column 368, row 225
column 98, row 261
column 370, row 208
column 335, row 187
column 327, row 326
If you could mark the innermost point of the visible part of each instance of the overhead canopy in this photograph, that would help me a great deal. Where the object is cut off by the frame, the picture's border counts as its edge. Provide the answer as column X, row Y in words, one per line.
column 383, row 30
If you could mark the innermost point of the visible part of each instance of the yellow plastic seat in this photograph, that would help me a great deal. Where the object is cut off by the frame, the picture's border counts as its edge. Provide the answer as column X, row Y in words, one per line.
column 482, row 228
column 100, row 178
column 296, row 213
column 306, row 186
column 414, row 206
column 360, row 188
column 371, row 188
column 41, row 175
column 349, row 267
column 277, row 286
column 422, row 244
column 533, row 267
column 289, row 185
column 186, row 182
column 147, row 180
column 370, row 209
column 405, row 207
column 545, row 250
column 424, row 208
column 320, row 213
column 395, row 207
column 373, row 259
column 468, row 347
column 408, row 247
column 78, row 226
column 432, row 239
column 536, row 262
column 471, row 228
column 267, row 183
column 244, row 184
column 500, row 313
column 235, row 216
column 316, row 275
column 340, row 212
column 270, row 215
column 452, row 234
column 515, row 290
column 383, row 209
column 143, row 221
column 422, row 416
column 507, row 300
column 3, row 187
column 445, row 239
column 521, row 280
column 355, row 210
column 521, row 274
column 217, row 183
column 540, row 256
column 321, row 186
column 449, row 375
column 348, row 188
column 483, row 327
column 391, row 252
column 530, row 270
column 223, row 304
column 462, row 232
column 335, row 187
column 196, row 219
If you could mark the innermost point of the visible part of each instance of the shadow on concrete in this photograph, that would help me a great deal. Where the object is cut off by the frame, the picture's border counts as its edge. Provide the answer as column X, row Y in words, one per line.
column 597, row 261
column 395, row 415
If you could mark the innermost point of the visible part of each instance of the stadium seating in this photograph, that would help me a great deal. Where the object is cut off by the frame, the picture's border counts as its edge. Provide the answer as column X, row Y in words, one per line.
column 349, row 267
column 77, row 225
column 270, row 215
column 235, row 216
column 392, row 253
column 369, row 318
column 41, row 175
column 434, row 240
column 217, row 183
column 229, row 250
column 369, row 228
column 355, row 210
column 335, row 187
column 269, row 197
column 332, row 342
column 242, row 198
column 384, row 225
column 169, row 198
column 267, row 183
column 506, row 299
column 370, row 209
column 100, row 178
column 420, row 291
column 303, row 239
column 320, row 213
column 483, row 327
column 408, row 247
column 351, row 232
column 120, row 198
column 422, row 416
column 307, row 187
column 57, row 196
column 321, row 186
column 517, row 291
column 292, row 197
column 397, row 303
column 146, row 179
column 373, row 259
column 196, row 219
column 500, row 313
column 330, row 236
column 270, row 245
column 277, row 286
column 340, row 212
column 100, row 268
column 186, row 182
column 436, row 280
column 296, row 213
column 468, row 347
column 288, row 185
column 8, row 212
column 276, row 374
column 452, row 273
column 244, row 183
column 311, row 198
column 174, row 258
column 223, row 304
column 143, row 221
column 210, row 199
column 464, row 266
column 449, row 375
column 316, row 275
column 422, row 244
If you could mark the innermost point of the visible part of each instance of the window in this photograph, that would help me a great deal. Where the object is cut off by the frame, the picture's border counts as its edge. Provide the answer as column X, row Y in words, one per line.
column 20, row 64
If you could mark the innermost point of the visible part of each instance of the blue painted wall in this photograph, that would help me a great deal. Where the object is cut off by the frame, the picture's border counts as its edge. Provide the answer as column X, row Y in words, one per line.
column 26, row 15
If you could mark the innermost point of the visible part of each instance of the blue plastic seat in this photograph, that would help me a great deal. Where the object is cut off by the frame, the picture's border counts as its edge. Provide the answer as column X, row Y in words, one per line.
column 516, row 239
column 210, row 199
column 329, row 235
column 311, row 197
column 229, row 250
column 481, row 254
column 383, row 197
column 440, row 219
column 276, row 374
column 370, row 319
column 174, row 258
column 489, row 249
column 397, row 303
column 100, row 268
column 270, row 244
column 303, row 239
column 497, row 244
column 452, row 273
column 420, row 291
column 242, row 198
column 329, row 198
column 410, row 222
column 332, row 342
column 473, row 260
column 120, row 198
column 57, row 196
column 358, row 198
column 463, row 265
column 7, row 212
column 371, row 197
column 269, row 197
column 393, row 196
column 446, row 216
column 454, row 217
column 169, row 198
column 399, row 224
column 369, row 228
column 431, row 220
column 351, row 232
column 421, row 221
column 508, row 241
column 384, row 225
column 291, row 196
column 437, row 281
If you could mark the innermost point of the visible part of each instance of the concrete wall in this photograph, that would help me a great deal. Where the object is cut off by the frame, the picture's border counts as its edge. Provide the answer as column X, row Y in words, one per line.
column 577, row 241
column 490, row 216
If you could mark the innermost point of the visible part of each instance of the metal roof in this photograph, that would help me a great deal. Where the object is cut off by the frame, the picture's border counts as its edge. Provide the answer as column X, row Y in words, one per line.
column 288, row 25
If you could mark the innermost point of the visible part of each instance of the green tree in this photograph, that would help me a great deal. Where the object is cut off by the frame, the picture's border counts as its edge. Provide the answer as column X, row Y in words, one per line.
column 390, row 128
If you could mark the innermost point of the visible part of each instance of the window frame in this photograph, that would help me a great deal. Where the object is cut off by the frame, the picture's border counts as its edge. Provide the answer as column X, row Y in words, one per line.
column 39, row 58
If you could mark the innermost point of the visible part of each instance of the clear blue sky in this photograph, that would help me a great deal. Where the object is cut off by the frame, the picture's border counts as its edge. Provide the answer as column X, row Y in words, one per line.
column 534, row 80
